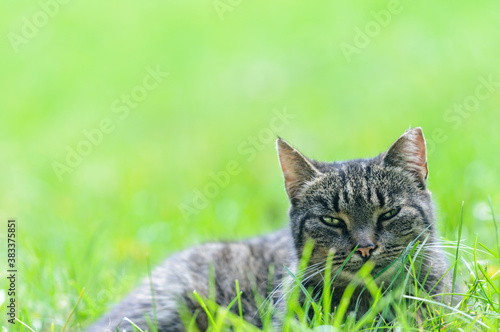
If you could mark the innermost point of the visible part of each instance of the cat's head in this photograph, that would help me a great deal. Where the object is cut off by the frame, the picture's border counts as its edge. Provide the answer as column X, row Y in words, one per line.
column 379, row 205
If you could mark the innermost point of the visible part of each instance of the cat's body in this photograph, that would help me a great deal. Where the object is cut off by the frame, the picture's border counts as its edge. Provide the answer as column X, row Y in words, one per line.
column 375, row 207
column 174, row 282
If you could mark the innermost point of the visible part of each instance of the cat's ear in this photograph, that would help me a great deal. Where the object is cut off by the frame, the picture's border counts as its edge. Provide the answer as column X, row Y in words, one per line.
column 297, row 169
column 409, row 153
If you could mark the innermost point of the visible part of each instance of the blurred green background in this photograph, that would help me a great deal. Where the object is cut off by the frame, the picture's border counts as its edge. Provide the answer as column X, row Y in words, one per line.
column 351, row 75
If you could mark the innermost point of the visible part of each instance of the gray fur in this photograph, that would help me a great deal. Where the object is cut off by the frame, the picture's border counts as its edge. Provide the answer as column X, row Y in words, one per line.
column 355, row 191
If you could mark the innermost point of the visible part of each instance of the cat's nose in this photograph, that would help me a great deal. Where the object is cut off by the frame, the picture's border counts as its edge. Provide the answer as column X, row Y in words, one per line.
column 365, row 248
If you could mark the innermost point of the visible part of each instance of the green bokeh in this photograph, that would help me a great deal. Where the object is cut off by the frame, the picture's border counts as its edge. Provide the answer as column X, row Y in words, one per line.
column 227, row 73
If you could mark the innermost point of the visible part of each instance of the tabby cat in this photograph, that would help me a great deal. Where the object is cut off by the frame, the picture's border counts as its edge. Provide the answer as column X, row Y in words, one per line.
column 373, row 208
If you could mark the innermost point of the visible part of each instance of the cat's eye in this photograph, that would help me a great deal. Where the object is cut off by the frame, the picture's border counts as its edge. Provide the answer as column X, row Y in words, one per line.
column 330, row 221
column 389, row 214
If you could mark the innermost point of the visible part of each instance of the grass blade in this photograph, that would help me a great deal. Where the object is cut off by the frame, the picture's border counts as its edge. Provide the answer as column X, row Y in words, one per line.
column 73, row 310
column 239, row 298
column 25, row 325
column 458, row 249
column 495, row 224
column 204, row 306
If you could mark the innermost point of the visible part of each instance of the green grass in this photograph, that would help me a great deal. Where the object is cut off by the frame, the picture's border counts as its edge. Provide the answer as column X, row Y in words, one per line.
column 95, row 228
column 403, row 304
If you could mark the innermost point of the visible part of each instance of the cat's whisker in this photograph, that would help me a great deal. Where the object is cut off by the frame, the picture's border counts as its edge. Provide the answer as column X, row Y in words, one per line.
column 306, row 274
column 463, row 249
column 306, row 280
column 285, row 294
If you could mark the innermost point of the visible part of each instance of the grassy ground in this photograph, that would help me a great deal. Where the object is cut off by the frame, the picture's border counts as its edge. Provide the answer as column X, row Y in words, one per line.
column 206, row 82
column 403, row 305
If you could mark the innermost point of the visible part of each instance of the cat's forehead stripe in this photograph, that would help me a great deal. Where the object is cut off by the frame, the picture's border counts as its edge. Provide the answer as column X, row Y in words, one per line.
column 364, row 185
column 336, row 202
column 345, row 197
column 380, row 197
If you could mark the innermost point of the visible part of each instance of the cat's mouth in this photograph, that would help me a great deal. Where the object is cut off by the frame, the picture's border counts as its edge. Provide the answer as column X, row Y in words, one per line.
column 346, row 264
column 379, row 264
column 379, row 272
